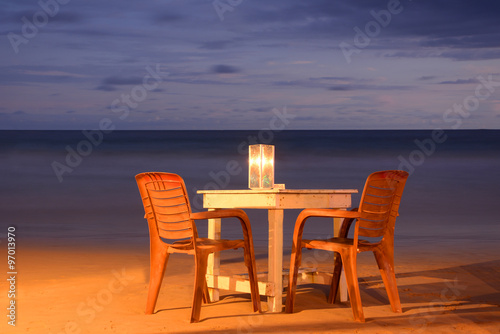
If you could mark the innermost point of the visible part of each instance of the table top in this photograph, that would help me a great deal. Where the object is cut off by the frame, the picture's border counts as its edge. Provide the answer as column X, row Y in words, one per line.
column 277, row 198
column 279, row 191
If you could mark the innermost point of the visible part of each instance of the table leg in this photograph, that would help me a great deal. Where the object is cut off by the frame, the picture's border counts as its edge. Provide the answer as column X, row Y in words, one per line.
column 213, row 264
column 275, row 258
column 337, row 223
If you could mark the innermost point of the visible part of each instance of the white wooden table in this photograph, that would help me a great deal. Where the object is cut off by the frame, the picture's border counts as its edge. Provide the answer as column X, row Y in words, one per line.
column 275, row 201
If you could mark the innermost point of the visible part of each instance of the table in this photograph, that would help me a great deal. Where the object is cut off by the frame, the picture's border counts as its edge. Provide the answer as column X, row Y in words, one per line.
column 275, row 201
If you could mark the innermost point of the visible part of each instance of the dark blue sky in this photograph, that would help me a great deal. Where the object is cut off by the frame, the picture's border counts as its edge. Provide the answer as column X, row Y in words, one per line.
column 227, row 64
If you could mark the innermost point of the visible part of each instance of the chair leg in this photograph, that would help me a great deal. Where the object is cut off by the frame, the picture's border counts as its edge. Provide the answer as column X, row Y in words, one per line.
column 206, row 294
column 337, row 270
column 385, row 262
column 199, row 285
column 295, row 261
column 349, row 259
column 252, row 276
column 157, row 268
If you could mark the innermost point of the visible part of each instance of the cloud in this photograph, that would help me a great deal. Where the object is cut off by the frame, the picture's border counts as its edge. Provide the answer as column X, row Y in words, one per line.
column 455, row 54
column 196, row 78
column 105, row 45
column 224, row 69
column 317, row 82
column 332, row 78
column 292, row 83
column 481, row 41
column 341, row 88
column 27, row 74
column 441, row 25
column 275, row 45
column 53, row 73
column 108, row 83
column 339, row 84
column 115, row 80
column 472, row 54
column 369, row 87
column 459, row 81
column 60, row 16
column 105, row 88
column 310, row 118
column 413, row 54
column 260, row 109
column 67, row 17
column 147, row 111
column 167, row 17
column 216, row 45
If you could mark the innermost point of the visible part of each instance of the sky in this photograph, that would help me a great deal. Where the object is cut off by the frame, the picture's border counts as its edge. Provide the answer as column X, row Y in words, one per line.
column 240, row 64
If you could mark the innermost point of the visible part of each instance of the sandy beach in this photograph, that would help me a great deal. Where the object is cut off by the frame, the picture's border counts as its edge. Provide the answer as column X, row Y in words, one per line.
column 77, row 288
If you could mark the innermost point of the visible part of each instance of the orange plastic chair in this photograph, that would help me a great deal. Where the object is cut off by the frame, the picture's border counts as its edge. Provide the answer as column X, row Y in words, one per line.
column 172, row 230
column 375, row 219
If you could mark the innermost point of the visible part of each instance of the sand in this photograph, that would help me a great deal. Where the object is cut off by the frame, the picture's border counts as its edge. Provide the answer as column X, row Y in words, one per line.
column 77, row 288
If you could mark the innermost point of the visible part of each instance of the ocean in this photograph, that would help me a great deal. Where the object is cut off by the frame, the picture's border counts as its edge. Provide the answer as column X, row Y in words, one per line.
column 79, row 187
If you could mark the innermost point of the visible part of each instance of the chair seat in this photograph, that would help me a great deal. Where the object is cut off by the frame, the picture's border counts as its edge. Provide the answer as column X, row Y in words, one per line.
column 331, row 244
column 337, row 243
column 364, row 245
column 218, row 245
column 206, row 244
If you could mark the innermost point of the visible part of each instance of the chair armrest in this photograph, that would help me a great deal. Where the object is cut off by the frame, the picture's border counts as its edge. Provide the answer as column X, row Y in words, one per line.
column 332, row 213
column 229, row 213
column 349, row 217
column 220, row 213
column 346, row 225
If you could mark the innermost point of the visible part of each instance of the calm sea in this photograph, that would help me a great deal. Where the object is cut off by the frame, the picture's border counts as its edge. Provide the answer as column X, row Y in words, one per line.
column 67, row 186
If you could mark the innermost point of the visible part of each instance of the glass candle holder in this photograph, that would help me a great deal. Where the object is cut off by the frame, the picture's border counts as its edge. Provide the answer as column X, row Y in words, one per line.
column 261, row 166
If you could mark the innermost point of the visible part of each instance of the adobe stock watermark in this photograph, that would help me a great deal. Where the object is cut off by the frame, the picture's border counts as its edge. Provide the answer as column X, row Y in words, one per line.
column 222, row 6
column 120, row 106
column 372, row 29
column 30, row 28
column 450, row 293
column 454, row 116
column 89, row 309
column 220, row 180
column 249, row 323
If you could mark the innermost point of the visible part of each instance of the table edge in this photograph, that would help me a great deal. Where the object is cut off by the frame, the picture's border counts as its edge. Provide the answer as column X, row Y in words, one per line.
column 278, row 191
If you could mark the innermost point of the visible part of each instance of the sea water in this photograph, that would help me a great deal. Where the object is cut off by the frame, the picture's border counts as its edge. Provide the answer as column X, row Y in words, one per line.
column 65, row 186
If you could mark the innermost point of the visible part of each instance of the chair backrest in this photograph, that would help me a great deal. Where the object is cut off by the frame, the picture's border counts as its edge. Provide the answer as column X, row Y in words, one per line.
column 167, row 208
column 380, row 203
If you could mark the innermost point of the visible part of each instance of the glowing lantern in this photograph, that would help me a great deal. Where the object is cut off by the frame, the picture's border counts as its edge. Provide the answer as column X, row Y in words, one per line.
column 261, row 166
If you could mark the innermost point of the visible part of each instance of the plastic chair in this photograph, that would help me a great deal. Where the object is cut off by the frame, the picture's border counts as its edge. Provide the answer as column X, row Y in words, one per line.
column 375, row 219
column 172, row 230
